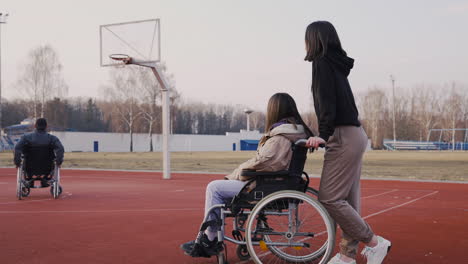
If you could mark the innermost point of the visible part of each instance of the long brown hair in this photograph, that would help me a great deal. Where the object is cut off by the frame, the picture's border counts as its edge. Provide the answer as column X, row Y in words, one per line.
column 282, row 106
column 319, row 37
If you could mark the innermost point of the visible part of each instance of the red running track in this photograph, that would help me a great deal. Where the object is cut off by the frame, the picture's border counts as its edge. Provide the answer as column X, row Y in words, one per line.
column 136, row 217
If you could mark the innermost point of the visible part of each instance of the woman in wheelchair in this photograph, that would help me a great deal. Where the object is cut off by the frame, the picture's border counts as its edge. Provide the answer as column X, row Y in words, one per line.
column 283, row 127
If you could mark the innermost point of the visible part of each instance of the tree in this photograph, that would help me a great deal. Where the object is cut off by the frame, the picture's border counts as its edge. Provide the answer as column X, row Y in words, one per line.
column 14, row 112
column 42, row 78
column 453, row 109
column 123, row 92
column 257, row 120
column 151, row 97
column 57, row 113
column 93, row 117
column 374, row 111
column 426, row 103
column 174, row 98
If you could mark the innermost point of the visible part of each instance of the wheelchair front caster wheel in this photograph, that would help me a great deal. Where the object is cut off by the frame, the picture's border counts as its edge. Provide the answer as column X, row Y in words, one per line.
column 52, row 191
column 221, row 258
column 242, row 252
column 25, row 191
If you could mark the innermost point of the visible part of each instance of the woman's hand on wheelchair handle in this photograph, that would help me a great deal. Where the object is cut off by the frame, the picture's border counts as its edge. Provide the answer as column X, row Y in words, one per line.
column 315, row 142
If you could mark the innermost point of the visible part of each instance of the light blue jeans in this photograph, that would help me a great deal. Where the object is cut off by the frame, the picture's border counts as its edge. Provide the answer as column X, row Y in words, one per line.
column 219, row 192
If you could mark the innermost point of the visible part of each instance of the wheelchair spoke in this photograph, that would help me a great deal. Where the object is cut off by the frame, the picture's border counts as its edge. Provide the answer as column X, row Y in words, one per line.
column 290, row 234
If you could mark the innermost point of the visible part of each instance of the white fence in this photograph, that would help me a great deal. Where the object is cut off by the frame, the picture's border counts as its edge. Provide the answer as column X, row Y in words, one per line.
column 120, row 142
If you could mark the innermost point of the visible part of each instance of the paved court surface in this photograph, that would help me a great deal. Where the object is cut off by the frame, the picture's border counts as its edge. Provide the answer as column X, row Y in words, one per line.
column 136, row 217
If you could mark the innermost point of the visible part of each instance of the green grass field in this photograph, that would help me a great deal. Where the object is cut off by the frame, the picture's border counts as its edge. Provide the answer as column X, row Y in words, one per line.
column 434, row 165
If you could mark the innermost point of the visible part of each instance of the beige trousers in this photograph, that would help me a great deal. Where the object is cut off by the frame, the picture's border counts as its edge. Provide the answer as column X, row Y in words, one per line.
column 340, row 186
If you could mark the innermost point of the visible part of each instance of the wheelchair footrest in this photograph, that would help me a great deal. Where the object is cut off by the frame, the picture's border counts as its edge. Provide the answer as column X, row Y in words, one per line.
column 237, row 235
column 199, row 251
column 215, row 223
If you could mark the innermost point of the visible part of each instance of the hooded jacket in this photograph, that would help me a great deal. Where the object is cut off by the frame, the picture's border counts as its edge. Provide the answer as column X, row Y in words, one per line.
column 333, row 99
column 274, row 154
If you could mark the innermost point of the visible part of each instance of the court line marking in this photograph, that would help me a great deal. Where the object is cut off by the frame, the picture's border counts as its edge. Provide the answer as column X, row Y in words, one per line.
column 179, row 190
column 104, row 211
column 225, row 173
column 170, row 209
column 379, row 194
column 65, row 195
column 400, row 205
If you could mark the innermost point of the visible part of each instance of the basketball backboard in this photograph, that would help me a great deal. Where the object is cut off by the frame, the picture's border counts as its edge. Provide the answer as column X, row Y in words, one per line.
column 138, row 43
column 139, row 40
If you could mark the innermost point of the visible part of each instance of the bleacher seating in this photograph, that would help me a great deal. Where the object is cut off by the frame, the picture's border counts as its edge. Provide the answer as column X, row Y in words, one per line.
column 423, row 145
column 7, row 143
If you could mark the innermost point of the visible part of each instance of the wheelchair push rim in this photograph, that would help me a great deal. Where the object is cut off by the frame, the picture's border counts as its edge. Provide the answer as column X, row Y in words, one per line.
column 289, row 227
column 56, row 189
column 19, row 184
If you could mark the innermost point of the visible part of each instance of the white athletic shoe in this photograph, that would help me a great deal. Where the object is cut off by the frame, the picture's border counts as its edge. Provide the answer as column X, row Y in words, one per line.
column 336, row 260
column 375, row 255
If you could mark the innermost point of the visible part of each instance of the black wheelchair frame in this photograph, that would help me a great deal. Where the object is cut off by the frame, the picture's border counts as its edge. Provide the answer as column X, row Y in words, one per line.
column 251, row 207
column 38, row 162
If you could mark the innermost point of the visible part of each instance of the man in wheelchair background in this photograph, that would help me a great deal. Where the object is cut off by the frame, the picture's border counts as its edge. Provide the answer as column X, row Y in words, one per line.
column 284, row 126
column 39, row 151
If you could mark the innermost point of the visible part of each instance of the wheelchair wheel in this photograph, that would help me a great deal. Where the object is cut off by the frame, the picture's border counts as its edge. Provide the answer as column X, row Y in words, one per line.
column 55, row 191
column 26, row 191
column 312, row 192
column 221, row 257
column 242, row 252
column 19, row 184
column 293, row 227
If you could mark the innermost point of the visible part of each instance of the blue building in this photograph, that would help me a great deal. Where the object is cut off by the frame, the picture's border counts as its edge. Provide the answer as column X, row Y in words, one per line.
column 248, row 144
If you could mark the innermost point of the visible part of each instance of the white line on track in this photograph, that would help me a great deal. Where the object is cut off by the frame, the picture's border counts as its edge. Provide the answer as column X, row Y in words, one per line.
column 64, row 195
column 400, row 205
column 224, row 173
column 379, row 194
column 103, row 211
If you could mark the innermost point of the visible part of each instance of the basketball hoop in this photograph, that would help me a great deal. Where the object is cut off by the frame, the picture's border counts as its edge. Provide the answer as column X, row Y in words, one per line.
column 123, row 58
column 138, row 43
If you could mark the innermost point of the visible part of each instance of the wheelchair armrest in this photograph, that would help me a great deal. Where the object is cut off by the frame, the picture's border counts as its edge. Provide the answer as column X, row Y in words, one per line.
column 252, row 173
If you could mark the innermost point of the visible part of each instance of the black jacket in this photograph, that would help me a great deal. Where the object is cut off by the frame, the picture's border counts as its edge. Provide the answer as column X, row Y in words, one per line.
column 39, row 138
column 333, row 98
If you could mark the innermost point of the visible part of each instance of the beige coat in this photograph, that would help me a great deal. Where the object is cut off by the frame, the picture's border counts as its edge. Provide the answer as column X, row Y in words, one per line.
column 275, row 154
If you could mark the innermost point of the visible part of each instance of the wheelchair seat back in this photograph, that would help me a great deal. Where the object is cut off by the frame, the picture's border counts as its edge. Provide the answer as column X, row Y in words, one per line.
column 269, row 182
column 299, row 157
column 38, row 160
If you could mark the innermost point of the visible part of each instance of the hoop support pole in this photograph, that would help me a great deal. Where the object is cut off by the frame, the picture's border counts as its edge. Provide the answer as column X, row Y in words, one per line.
column 165, row 121
column 165, row 113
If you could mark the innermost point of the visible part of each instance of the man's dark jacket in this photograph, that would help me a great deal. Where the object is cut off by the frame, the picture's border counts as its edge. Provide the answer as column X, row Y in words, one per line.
column 36, row 139
column 333, row 99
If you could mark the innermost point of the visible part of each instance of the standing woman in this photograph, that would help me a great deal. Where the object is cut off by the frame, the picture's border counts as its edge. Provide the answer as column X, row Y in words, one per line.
column 346, row 141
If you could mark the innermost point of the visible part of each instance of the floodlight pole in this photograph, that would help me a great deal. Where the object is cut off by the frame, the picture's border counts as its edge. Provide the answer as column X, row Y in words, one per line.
column 393, row 110
column 3, row 18
column 165, row 113
column 248, row 112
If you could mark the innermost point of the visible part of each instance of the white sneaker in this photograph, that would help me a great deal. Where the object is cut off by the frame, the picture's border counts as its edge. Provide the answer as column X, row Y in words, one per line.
column 375, row 255
column 337, row 260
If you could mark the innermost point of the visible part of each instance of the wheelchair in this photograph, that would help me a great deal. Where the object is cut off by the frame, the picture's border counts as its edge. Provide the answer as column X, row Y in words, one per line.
column 38, row 164
column 279, row 220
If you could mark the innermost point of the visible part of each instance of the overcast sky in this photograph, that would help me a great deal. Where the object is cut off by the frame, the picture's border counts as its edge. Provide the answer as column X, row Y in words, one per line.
column 243, row 51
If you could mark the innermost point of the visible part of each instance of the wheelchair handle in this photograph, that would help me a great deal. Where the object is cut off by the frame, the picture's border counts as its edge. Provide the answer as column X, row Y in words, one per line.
column 303, row 142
